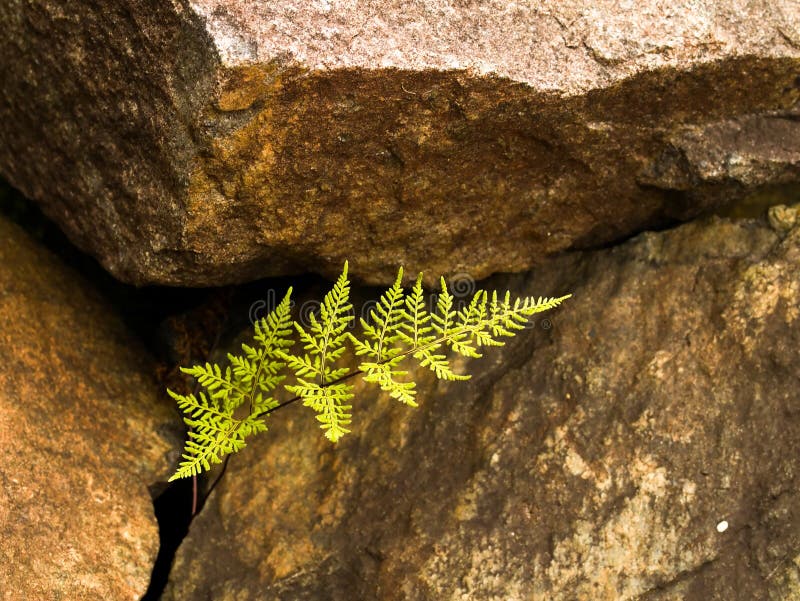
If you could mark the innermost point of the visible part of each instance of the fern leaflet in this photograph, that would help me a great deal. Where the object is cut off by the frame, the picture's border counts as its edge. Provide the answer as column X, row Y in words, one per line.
column 324, row 343
column 214, row 431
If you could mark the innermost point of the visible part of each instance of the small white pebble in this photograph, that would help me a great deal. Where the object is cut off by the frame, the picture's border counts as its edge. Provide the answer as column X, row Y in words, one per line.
column 722, row 526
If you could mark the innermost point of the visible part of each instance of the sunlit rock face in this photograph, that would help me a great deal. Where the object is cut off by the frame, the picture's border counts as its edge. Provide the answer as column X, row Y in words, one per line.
column 85, row 431
column 209, row 142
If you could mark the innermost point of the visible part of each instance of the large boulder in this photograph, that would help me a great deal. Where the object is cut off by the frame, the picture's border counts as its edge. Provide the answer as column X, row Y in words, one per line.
column 84, row 431
column 213, row 141
column 641, row 443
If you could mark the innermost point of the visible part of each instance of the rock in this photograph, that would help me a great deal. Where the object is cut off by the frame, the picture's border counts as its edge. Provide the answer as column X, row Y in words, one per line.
column 82, row 428
column 595, row 457
column 208, row 142
column 782, row 218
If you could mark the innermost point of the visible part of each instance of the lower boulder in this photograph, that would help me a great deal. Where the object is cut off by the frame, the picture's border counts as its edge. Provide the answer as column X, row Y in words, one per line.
column 641, row 443
column 84, row 431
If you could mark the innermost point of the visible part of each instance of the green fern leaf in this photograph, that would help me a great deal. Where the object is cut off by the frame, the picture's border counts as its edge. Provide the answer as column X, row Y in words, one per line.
column 444, row 318
column 324, row 345
column 325, row 340
column 386, row 376
column 218, row 384
column 212, row 434
column 437, row 363
column 400, row 329
column 382, row 344
column 273, row 335
column 387, row 317
column 214, row 431
column 415, row 329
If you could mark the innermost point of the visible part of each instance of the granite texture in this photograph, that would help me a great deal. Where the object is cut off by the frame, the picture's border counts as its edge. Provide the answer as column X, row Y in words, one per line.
column 210, row 142
column 642, row 442
column 84, row 431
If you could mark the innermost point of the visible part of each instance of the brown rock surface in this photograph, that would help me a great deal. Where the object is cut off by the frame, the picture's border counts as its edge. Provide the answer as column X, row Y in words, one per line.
column 79, row 431
column 218, row 141
column 592, row 460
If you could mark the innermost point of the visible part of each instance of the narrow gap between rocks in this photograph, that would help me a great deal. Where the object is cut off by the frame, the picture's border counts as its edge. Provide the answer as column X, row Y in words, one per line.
column 754, row 205
column 173, row 508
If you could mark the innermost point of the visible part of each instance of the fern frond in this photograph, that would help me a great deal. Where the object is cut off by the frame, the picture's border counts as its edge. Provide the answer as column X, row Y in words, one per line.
column 385, row 375
column 480, row 323
column 273, row 335
column 258, row 369
column 400, row 328
column 214, row 431
column 385, row 335
column 416, row 330
column 263, row 405
column 335, row 314
column 324, row 341
column 403, row 320
column 443, row 320
column 212, row 434
column 386, row 316
column 220, row 385
column 437, row 363
column 531, row 306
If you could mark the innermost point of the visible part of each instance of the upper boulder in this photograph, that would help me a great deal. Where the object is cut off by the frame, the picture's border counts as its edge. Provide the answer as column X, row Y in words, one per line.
column 216, row 141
